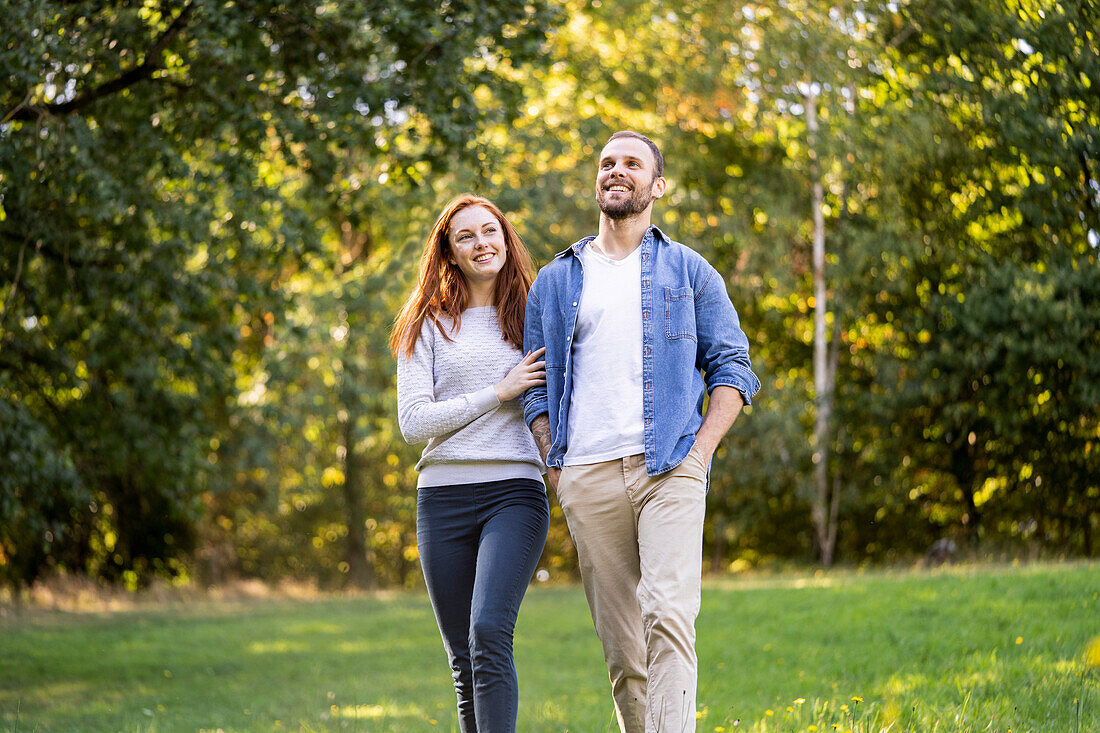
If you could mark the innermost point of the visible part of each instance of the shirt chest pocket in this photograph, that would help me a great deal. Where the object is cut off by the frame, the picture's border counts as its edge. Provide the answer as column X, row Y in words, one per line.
column 680, row 313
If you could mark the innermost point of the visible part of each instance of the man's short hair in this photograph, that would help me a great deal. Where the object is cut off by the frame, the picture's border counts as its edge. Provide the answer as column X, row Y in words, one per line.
column 660, row 159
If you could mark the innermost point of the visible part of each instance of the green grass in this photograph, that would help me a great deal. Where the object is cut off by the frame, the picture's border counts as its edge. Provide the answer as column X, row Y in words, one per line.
column 973, row 649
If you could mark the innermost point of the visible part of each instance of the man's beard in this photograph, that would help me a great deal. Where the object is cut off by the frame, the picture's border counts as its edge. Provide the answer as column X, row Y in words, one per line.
column 632, row 205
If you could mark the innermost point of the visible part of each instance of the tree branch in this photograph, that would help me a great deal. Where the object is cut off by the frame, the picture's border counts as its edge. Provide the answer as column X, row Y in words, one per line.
column 149, row 65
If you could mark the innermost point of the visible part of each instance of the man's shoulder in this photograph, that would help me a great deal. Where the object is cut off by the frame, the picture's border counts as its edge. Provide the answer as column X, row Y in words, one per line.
column 559, row 264
column 679, row 250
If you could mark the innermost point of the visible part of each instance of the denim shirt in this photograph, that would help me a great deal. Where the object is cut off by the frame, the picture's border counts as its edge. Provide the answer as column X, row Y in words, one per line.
column 688, row 325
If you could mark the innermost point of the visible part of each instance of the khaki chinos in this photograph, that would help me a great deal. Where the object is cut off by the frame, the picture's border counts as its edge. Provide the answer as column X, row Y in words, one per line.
column 639, row 539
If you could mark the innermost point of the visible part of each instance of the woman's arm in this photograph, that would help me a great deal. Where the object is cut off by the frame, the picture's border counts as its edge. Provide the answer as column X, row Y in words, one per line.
column 419, row 415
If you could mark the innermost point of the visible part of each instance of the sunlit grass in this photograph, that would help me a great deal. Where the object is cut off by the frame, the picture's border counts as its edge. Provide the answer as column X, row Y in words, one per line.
column 973, row 649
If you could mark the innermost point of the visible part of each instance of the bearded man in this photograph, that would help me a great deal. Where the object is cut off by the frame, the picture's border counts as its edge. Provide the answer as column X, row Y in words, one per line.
column 630, row 319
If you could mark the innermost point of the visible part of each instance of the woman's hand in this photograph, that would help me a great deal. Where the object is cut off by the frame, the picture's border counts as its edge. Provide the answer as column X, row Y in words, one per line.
column 528, row 373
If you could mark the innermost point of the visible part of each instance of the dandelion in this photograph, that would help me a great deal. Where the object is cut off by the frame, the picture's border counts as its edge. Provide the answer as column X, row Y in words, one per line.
column 799, row 701
column 768, row 713
column 844, row 708
column 812, row 728
column 857, row 698
column 790, row 709
column 1019, row 640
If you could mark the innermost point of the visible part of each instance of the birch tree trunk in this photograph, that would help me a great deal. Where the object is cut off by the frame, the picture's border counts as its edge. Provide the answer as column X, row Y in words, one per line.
column 824, row 510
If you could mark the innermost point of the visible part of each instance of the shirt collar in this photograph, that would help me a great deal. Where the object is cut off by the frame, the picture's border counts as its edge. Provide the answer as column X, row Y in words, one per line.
column 576, row 247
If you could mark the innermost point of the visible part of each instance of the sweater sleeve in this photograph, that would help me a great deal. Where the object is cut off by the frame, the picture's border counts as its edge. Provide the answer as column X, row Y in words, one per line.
column 419, row 415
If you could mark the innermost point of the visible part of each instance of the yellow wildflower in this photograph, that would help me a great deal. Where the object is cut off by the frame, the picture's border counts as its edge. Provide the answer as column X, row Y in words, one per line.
column 1092, row 653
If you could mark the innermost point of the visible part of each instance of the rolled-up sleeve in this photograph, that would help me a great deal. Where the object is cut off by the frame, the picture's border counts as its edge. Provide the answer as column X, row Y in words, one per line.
column 723, row 352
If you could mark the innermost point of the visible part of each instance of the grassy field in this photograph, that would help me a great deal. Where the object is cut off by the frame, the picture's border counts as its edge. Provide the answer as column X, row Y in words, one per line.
column 969, row 649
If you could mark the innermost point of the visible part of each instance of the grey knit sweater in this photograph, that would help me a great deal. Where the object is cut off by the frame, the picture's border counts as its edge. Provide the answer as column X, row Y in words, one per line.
column 445, row 396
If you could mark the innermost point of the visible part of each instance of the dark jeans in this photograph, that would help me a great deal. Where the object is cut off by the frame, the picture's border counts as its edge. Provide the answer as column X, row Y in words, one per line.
column 479, row 544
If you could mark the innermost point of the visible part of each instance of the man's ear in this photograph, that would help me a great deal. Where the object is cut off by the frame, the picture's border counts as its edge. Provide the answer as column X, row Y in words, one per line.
column 659, row 185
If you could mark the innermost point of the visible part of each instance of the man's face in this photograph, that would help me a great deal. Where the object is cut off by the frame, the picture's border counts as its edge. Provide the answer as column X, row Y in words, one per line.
column 626, row 178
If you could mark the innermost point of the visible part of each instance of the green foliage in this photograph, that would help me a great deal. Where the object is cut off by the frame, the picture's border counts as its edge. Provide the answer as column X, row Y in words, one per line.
column 31, row 520
column 160, row 172
column 209, row 215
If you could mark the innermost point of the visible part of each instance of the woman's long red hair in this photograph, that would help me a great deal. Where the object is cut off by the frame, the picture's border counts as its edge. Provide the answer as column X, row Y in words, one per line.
column 441, row 288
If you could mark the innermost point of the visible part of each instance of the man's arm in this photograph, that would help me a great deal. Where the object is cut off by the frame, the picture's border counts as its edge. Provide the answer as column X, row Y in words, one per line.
column 540, row 428
column 534, row 399
column 722, row 409
column 723, row 355
column 723, row 348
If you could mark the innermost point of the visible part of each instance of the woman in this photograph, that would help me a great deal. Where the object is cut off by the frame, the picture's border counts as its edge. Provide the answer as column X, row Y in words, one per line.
column 481, row 508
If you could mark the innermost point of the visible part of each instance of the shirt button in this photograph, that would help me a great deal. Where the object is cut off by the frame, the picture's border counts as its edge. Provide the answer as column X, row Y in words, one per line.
column 574, row 303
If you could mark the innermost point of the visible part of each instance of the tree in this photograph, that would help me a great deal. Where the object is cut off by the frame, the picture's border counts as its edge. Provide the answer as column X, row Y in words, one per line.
column 145, row 215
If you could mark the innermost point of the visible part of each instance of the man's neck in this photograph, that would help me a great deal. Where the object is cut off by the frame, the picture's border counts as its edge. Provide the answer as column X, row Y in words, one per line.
column 617, row 238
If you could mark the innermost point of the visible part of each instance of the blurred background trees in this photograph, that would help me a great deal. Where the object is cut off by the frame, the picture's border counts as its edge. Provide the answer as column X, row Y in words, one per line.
column 210, row 213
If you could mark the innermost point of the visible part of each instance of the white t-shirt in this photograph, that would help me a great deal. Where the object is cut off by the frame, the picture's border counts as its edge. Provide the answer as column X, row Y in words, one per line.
column 605, row 408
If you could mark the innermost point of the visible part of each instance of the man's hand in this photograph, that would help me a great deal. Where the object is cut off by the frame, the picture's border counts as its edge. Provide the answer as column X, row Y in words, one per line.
column 722, row 409
column 553, row 475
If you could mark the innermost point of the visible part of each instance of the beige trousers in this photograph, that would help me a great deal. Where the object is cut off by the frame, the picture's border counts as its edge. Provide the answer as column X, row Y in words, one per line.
column 639, row 540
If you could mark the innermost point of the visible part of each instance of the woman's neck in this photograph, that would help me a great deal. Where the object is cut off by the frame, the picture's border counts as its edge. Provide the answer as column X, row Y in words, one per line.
column 481, row 293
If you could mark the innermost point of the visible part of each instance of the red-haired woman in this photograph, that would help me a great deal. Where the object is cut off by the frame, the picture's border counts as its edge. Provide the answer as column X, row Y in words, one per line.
column 481, row 508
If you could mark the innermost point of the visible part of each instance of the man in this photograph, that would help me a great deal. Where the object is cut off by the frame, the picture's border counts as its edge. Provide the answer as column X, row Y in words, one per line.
column 628, row 319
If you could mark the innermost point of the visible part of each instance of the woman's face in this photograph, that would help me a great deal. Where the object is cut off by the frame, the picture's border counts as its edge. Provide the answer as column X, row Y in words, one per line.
column 477, row 244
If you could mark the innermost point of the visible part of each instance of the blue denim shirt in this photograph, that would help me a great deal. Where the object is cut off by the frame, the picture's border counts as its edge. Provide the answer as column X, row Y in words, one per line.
column 688, row 325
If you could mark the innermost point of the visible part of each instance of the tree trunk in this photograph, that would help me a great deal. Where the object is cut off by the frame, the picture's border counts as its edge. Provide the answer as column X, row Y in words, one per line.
column 360, row 569
column 823, row 518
